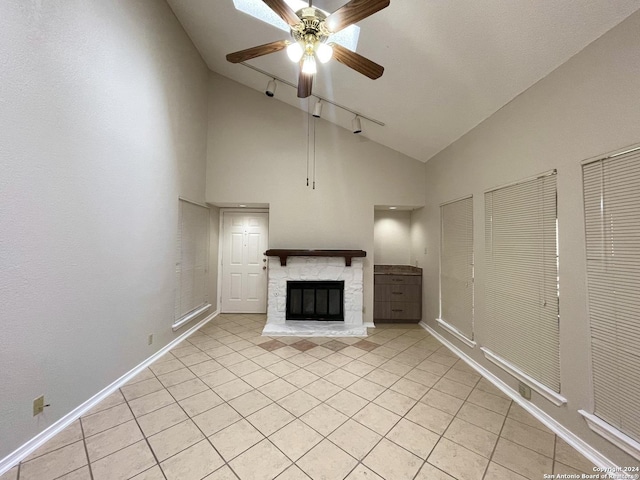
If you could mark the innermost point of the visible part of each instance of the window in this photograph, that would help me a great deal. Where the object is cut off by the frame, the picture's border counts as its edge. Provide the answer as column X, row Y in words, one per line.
column 612, row 222
column 192, row 264
column 456, row 269
column 522, row 282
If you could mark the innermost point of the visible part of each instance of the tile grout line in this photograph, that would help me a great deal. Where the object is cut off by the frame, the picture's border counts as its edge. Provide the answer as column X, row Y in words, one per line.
column 225, row 462
column 177, row 402
column 86, row 450
column 555, row 447
column 495, row 447
column 143, row 434
column 324, row 402
column 240, row 327
column 359, row 462
column 383, row 437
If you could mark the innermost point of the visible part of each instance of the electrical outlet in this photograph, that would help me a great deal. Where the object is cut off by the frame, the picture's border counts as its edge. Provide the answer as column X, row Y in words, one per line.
column 150, row 339
column 525, row 390
column 425, row 250
column 38, row 405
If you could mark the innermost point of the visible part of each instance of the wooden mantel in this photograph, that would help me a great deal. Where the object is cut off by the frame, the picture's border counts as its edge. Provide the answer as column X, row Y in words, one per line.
column 284, row 253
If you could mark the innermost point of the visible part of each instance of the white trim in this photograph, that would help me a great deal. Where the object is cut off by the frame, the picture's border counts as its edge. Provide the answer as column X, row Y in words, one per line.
column 194, row 203
column 30, row 446
column 456, row 333
column 609, row 432
column 190, row 316
column 582, row 447
column 554, row 397
column 524, row 180
column 613, row 154
column 457, row 200
column 369, row 325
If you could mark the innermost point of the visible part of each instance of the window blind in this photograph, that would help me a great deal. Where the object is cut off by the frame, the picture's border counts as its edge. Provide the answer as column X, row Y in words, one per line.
column 612, row 222
column 522, row 278
column 192, row 259
column 456, row 265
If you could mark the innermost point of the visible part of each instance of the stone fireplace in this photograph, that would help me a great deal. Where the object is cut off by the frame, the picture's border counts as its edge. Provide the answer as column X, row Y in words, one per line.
column 320, row 268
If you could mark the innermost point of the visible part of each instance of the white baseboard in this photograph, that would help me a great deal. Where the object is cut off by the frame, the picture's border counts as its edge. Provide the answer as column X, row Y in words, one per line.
column 568, row 436
column 369, row 325
column 30, row 446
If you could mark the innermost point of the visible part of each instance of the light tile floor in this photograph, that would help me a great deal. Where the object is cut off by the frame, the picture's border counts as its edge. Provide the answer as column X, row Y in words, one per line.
column 228, row 403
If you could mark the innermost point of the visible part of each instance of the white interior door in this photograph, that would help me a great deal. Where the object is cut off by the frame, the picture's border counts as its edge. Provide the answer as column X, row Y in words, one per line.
column 244, row 266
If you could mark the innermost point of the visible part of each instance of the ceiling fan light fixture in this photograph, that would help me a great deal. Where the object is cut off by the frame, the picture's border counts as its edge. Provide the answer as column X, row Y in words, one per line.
column 317, row 109
column 271, row 88
column 309, row 65
column 324, row 52
column 295, row 52
column 356, row 125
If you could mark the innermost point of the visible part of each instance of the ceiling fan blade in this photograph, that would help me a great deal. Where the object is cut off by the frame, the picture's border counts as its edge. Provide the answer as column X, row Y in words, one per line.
column 284, row 11
column 356, row 61
column 305, row 83
column 352, row 12
column 249, row 53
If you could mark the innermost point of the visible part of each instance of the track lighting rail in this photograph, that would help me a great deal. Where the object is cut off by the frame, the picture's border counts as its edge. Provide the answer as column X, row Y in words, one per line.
column 319, row 97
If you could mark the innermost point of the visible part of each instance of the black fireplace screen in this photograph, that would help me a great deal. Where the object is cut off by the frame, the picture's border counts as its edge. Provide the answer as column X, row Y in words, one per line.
column 315, row 300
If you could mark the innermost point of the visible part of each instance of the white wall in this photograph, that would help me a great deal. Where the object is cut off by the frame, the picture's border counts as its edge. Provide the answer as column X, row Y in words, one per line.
column 257, row 153
column 392, row 237
column 103, row 125
column 587, row 107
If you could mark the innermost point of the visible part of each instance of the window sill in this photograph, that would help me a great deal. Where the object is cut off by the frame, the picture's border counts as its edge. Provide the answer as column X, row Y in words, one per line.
column 554, row 397
column 612, row 434
column 456, row 333
column 190, row 316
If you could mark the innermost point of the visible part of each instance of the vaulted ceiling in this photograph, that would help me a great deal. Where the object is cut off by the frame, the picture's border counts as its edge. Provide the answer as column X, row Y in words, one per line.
column 449, row 64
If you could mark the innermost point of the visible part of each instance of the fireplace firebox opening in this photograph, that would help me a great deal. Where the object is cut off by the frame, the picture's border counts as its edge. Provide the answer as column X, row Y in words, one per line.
column 313, row 300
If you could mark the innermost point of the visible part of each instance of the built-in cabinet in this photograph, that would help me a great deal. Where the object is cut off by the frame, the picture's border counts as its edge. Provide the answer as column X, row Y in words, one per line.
column 397, row 294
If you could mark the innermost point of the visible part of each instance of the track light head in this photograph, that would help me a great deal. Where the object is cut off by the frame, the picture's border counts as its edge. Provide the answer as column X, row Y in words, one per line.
column 317, row 109
column 271, row 88
column 356, row 126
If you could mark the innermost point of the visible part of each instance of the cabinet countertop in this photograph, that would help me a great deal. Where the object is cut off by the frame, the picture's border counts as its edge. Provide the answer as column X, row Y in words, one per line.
column 396, row 270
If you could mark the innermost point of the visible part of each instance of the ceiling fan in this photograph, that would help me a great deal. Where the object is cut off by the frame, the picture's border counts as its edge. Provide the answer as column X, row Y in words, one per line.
column 311, row 30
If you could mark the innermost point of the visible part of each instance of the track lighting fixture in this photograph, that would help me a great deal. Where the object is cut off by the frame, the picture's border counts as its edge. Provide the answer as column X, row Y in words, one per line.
column 271, row 88
column 356, row 126
column 317, row 109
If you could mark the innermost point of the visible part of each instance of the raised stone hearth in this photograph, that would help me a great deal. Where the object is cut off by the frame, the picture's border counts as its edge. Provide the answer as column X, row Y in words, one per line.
column 315, row 268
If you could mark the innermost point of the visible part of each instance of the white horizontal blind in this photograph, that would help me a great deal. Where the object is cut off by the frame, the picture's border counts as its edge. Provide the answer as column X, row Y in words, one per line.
column 456, row 265
column 522, row 284
column 192, row 258
column 612, row 220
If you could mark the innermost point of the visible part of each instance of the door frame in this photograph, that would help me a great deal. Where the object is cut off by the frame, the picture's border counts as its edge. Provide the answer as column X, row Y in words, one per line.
column 224, row 210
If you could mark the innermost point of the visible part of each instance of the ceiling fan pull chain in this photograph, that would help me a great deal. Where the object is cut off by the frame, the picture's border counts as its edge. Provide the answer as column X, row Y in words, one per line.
column 308, row 142
column 314, row 154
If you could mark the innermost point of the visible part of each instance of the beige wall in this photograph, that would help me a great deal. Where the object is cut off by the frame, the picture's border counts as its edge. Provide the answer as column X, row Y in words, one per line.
column 257, row 153
column 392, row 237
column 103, row 114
column 587, row 107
